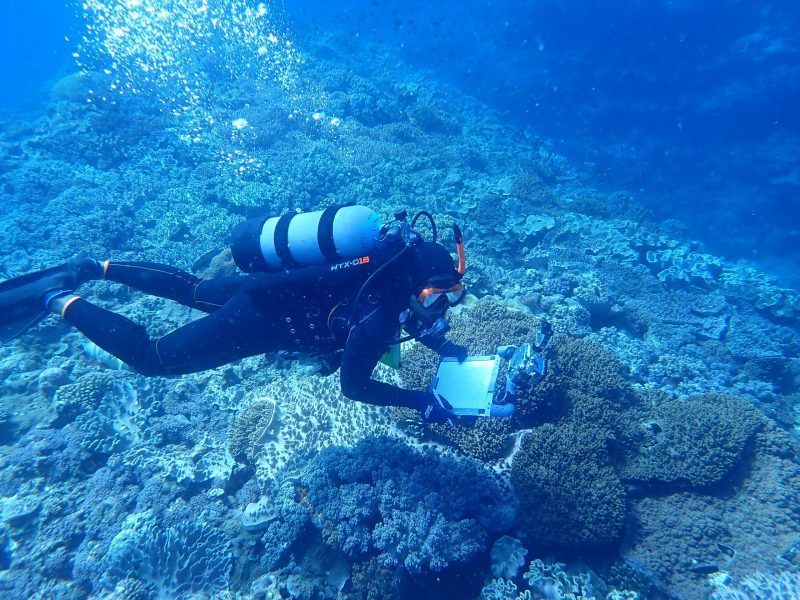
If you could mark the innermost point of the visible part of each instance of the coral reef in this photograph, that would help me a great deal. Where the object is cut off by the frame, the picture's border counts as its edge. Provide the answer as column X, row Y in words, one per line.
column 486, row 439
column 670, row 536
column 254, row 478
column 553, row 581
column 310, row 414
column 578, row 365
column 779, row 586
column 481, row 328
column 696, row 442
column 174, row 561
column 570, row 496
column 249, row 427
column 417, row 511
column 508, row 556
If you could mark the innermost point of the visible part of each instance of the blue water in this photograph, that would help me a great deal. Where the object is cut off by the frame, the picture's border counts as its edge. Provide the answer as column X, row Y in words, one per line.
column 625, row 171
column 677, row 104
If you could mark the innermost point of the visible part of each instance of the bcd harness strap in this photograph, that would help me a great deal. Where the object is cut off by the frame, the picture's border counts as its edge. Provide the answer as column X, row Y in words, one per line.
column 325, row 234
column 282, row 241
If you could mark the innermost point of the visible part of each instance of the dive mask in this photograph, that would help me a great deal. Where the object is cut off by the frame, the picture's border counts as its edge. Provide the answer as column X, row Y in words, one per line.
column 431, row 296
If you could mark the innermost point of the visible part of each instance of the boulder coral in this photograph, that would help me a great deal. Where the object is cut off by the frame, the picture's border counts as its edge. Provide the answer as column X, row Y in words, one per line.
column 696, row 442
column 570, row 496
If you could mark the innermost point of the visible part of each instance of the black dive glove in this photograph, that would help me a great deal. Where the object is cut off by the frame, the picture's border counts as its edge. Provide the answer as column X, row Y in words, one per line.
column 455, row 350
column 432, row 410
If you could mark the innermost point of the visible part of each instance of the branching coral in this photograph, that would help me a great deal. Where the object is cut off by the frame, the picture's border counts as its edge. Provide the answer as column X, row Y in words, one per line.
column 282, row 533
column 418, row 511
column 53, row 453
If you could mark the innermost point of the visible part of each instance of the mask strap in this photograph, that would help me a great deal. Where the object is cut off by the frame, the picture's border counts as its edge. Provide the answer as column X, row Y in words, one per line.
column 462, row 259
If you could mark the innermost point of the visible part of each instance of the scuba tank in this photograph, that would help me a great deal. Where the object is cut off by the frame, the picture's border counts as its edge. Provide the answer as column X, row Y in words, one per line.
column 296, row 240
column 341, row 237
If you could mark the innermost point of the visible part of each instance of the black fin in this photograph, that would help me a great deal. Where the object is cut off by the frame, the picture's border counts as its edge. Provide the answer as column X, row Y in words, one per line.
column 21, row 301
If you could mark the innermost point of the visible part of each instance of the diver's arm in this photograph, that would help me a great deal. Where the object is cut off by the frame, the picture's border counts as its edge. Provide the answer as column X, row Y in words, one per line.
column 444, row 347
column 439, row 344
column 366, row 344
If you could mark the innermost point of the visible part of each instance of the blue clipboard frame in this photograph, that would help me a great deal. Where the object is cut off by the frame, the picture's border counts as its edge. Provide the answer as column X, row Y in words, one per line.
column 469, row 386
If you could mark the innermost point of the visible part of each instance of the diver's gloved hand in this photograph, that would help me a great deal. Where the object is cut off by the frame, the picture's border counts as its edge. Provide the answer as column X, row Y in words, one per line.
column 455, row 350
column 432, row 410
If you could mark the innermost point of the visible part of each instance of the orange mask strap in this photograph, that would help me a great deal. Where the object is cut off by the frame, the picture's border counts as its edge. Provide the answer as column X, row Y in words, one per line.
column 425, row 293
column 432, row 290
column 462, row 258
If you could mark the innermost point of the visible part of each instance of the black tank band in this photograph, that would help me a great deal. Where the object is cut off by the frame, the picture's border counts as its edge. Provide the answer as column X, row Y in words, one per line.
column 325, row 234
column 282, row 241
column 246, row 246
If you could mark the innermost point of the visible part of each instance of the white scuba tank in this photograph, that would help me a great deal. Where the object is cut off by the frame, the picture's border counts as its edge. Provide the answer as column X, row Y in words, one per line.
column 296, row 240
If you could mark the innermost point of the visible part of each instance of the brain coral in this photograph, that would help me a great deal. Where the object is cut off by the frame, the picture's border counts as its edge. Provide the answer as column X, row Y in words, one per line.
column 419, row 511
column 249, row 426
column 697, row 441
column 570, row 496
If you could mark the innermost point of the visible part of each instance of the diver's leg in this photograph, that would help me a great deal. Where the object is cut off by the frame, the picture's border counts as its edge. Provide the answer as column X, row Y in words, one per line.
column 236, row 330
column 168, row 282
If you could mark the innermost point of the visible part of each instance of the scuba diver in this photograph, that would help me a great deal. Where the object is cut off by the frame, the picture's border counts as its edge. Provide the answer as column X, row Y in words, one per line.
column 334, row 285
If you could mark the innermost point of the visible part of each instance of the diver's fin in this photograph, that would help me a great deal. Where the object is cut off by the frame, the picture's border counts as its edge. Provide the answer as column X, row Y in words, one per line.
column 22, row 298
column 10, row 330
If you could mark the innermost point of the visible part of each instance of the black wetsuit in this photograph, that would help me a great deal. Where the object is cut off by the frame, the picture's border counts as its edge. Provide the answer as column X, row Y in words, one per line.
column 307, row 310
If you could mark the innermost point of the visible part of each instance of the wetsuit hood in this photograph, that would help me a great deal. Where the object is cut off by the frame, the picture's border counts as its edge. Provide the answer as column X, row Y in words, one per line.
column 430, row 261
